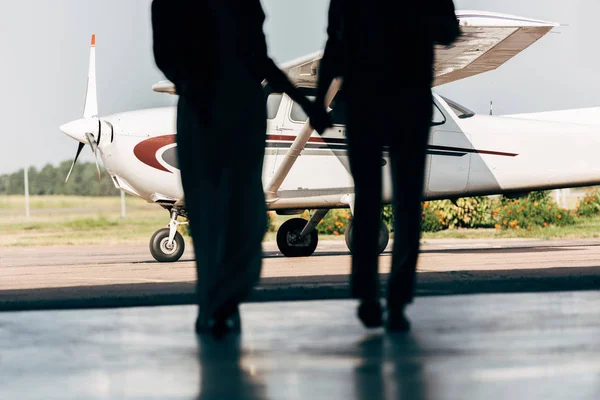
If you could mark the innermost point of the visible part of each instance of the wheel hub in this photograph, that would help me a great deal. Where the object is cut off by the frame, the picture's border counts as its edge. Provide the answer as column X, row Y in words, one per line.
column 166, row 248
column 293, row 239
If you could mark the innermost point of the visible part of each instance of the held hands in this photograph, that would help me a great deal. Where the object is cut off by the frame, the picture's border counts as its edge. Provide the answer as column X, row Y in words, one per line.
column 319, row 118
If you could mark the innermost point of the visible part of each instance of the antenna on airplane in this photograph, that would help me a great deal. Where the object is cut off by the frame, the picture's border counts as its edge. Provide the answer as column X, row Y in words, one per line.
column 491, row 112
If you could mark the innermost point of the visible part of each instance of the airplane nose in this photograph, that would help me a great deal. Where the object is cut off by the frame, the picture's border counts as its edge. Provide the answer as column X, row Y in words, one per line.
column 77, row 129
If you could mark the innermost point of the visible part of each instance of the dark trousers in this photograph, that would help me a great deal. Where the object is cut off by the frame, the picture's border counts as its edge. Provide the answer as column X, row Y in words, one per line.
column 221, row 160
column 401, row 122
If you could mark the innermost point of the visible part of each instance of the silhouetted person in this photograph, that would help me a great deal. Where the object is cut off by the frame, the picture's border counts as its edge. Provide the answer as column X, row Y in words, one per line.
column 384, row 52
column 215, row 53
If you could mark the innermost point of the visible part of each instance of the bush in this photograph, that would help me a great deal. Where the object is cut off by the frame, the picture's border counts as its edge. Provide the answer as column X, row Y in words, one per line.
column 387, row 215
column 590, row 204
column 472, row 212
column 334, row 223
column 537, row 209
column 184, row 230
column 271, row 217
column 431, row 221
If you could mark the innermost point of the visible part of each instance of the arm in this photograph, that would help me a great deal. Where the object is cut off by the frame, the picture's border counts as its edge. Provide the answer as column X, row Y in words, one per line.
column 329, row 67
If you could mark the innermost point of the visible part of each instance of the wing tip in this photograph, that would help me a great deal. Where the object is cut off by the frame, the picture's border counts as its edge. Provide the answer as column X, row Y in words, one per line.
column 93, row 42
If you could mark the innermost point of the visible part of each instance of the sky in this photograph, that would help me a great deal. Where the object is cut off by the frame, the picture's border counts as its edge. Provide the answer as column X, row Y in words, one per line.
column 45, row 49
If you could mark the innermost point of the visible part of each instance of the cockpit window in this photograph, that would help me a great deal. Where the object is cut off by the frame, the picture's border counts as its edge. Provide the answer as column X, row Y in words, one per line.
column 460, row 111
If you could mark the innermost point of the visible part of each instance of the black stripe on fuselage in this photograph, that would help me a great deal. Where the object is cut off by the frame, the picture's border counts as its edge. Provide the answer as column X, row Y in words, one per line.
column 448, row 151
column 342, row 149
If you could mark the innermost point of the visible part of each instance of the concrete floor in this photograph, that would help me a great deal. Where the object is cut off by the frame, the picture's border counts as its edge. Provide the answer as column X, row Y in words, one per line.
column 489, row 346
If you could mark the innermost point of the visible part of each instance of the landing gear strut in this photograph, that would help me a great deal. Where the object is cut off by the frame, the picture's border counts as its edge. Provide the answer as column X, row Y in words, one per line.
column 167, row 245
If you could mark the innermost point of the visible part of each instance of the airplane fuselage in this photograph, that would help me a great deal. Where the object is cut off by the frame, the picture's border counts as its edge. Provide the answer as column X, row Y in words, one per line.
column 472, row 155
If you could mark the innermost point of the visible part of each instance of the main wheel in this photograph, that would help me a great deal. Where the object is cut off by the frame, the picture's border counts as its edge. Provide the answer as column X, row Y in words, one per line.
column 288, row 239
column 160, row 249
column 384, row 237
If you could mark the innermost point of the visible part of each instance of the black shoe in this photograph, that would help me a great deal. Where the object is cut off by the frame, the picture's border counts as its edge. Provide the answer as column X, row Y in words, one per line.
column 370, row 313
column 397, row 321
column 221, row 325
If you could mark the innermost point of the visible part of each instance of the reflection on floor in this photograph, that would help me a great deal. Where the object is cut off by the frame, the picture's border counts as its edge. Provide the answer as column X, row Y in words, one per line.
column 508, row 346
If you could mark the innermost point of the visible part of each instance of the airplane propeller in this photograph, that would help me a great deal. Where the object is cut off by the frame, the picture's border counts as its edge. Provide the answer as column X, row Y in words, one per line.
column 94, row 145
column 88, row 129
column 79, row 148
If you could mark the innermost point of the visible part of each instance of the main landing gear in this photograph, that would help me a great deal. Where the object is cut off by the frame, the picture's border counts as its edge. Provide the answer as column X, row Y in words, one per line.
column 167, row 244
column 298, row 237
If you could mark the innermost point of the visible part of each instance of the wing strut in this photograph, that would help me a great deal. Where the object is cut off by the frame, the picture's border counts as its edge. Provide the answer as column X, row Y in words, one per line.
column 295, row 150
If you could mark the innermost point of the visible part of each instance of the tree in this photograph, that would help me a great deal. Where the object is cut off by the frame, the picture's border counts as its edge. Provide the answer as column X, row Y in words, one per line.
column 50, row 180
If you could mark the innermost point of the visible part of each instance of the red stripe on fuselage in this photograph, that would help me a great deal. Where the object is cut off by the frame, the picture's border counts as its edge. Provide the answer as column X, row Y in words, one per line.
column 145, row 151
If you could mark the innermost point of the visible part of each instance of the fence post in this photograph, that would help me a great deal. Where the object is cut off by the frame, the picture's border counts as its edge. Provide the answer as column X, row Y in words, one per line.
column 27, row 214
column 122, row 204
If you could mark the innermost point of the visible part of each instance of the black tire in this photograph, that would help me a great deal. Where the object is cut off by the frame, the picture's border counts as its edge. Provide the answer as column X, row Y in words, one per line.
column 286, row 235
column 158, row 246
column 384, row 236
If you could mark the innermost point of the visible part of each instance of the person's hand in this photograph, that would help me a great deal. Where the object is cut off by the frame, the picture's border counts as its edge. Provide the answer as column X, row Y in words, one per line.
column 320, row 120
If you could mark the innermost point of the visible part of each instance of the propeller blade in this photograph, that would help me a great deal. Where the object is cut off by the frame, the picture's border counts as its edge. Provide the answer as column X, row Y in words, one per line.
column 91, row 141
column 90, row 109
column 79, row 148
column 94, row 146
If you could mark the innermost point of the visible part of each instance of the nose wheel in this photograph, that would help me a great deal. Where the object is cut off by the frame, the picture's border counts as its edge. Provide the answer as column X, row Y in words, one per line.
column 167, row 245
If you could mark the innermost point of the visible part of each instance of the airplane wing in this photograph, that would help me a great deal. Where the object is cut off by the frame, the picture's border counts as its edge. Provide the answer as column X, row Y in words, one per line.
column 489, row 40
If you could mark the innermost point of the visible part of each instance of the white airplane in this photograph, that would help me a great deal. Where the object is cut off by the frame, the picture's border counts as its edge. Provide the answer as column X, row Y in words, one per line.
column 468, row 154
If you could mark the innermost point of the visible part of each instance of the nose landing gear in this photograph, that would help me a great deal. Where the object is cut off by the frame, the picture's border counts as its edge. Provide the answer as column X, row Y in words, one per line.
column 167, row 244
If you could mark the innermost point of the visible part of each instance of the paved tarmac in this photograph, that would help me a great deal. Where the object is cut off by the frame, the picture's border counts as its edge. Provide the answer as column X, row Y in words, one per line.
column 504, row 346
column 118, row 276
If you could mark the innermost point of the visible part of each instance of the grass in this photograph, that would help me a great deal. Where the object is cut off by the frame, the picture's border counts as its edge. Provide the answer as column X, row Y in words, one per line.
column 75, row 220
column 72, row 220
column 16, row 203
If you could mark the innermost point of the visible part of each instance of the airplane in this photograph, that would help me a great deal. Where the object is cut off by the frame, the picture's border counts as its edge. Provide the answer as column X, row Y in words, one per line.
column 468, row 154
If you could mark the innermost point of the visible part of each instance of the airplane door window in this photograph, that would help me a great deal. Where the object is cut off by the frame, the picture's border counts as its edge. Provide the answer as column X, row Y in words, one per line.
column 297, row 114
